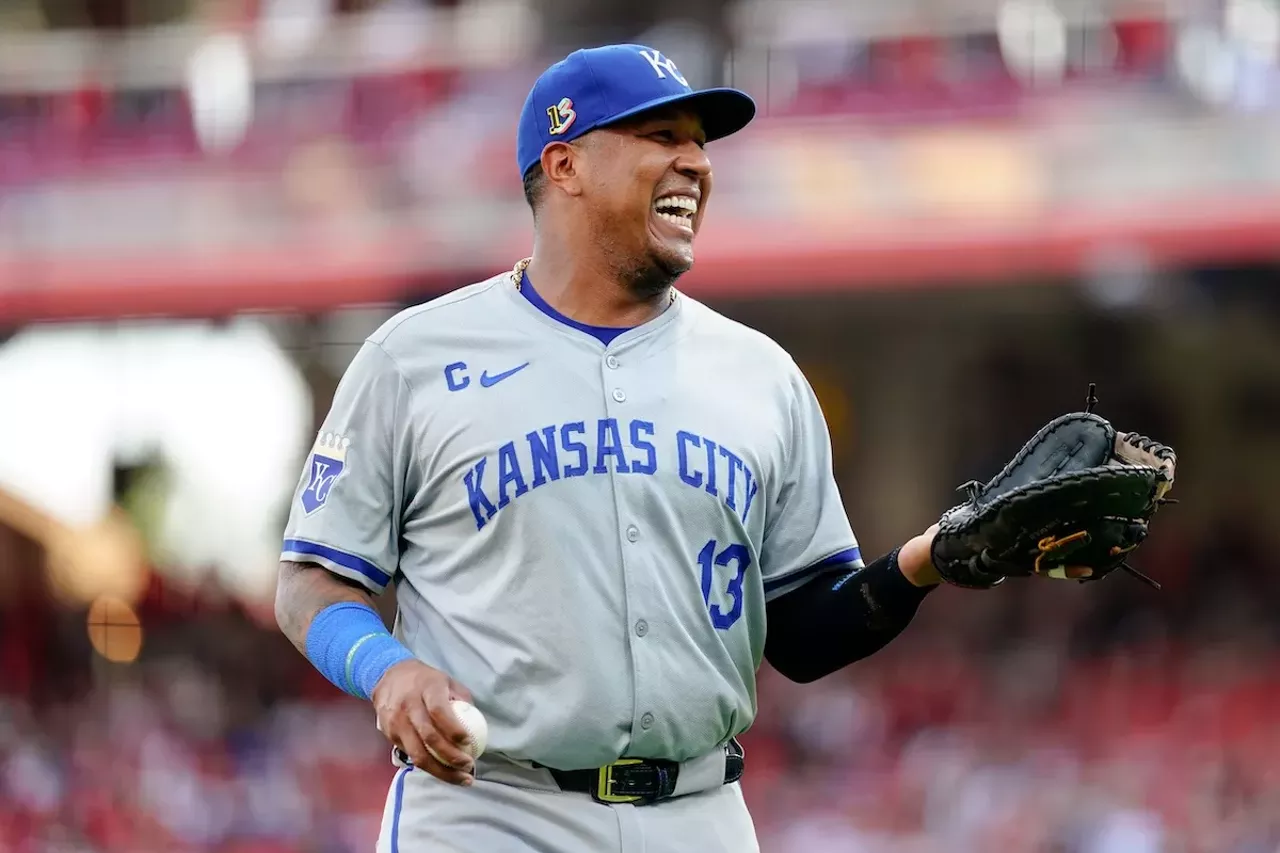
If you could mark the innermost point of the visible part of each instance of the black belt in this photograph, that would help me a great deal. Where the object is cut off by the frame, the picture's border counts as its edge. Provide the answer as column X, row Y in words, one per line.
column 639, row 780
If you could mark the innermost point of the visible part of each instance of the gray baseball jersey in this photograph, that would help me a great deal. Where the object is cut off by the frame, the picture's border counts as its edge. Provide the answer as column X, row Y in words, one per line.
column 585, row 535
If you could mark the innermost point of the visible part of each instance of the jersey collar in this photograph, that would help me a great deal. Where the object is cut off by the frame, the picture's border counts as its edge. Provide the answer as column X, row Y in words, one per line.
column 531, row 302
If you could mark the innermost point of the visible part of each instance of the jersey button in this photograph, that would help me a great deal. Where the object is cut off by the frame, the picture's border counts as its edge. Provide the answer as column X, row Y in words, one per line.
column 642, row 628
column 646, row 720
column 619, row 394
column 611, row 362
column 633, row 533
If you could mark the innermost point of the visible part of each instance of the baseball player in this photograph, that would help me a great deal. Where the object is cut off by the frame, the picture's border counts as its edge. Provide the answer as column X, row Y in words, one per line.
column 591, row 493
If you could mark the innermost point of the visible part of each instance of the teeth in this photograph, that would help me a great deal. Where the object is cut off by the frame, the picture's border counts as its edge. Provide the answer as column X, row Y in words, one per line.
column 675, row 219
column 680, row 205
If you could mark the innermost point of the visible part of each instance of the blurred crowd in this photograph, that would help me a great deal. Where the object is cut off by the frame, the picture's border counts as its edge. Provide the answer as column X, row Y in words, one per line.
column 1039, row 718
column 375, row 137
column 219, row 737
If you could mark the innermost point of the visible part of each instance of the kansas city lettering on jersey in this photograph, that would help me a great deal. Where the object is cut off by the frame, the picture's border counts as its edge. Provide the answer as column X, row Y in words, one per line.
column 606, row 446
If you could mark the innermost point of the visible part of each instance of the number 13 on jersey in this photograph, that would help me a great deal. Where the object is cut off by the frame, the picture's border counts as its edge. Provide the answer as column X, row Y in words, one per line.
column 733, row 560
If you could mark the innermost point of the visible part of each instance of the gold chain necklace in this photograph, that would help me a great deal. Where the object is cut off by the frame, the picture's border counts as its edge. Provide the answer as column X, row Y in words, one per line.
column 517, row 275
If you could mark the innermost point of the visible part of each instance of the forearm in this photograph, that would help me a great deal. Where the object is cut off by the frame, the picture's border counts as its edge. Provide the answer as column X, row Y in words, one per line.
column 302, row 591
column 336, row 626
column 834, row 621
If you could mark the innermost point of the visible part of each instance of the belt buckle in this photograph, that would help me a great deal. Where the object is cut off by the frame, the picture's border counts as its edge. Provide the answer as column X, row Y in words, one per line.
column 604, row 784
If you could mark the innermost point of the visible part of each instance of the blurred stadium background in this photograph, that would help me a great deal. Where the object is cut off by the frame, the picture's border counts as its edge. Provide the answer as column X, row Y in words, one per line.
column 956, row 213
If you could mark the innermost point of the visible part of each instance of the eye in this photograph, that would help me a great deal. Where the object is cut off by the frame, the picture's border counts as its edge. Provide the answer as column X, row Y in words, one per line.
column 670, row 137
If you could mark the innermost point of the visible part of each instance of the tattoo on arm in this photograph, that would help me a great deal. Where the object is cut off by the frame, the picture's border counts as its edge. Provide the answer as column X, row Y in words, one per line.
column 303, row 590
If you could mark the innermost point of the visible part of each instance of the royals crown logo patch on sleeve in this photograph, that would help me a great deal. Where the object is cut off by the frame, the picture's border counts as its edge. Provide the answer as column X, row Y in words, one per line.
column 328, row 461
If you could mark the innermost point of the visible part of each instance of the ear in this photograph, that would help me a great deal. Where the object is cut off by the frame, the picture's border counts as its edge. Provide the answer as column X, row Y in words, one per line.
column 561, row 163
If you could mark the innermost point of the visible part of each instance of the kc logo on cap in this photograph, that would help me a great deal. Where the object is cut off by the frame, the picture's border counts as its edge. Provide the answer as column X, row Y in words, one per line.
column 561, row 115
column 662, row 64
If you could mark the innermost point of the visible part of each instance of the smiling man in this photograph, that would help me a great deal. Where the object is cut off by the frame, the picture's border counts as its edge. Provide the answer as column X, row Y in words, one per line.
column 591, row 493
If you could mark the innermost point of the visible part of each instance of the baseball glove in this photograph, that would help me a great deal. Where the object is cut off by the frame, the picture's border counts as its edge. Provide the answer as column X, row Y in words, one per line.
column 1078, row 494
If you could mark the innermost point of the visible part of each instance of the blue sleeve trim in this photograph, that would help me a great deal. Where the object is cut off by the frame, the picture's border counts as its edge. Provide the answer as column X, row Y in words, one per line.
column 339, row 558
column 840, row 558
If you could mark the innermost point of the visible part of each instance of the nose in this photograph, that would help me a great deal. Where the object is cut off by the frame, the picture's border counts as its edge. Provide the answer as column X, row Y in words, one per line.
column 693, row 162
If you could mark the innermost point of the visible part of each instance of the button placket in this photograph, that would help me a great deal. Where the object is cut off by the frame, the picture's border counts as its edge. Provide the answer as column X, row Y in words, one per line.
column 638, row 600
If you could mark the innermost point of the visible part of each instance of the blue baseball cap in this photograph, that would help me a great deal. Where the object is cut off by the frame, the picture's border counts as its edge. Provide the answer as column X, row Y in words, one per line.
column 598, row 86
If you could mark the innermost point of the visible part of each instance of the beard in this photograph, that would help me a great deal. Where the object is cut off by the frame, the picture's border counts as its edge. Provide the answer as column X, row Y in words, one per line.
column 652, row 275
column 647, row 271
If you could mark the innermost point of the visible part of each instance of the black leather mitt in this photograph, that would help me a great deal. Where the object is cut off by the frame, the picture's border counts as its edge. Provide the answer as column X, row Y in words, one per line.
column 1078, row 494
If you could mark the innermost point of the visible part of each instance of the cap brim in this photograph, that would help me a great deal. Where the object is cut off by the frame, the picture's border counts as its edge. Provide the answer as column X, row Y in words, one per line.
column 723, row 111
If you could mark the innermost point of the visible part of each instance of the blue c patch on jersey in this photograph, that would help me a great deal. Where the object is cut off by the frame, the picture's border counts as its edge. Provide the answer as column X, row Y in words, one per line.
column 328, row 461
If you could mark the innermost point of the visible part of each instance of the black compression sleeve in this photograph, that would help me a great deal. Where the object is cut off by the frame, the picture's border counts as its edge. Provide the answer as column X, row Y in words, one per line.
column 833, row 621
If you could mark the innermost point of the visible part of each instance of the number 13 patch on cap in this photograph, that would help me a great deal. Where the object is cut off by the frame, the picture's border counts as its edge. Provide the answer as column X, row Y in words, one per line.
column 561, row 116
column 328, row 461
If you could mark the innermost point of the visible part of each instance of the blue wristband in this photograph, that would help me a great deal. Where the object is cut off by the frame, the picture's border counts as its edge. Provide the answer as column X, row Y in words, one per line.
column 350, row 646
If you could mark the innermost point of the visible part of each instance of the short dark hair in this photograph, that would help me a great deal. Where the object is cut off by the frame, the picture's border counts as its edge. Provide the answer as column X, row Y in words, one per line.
column 535, row 184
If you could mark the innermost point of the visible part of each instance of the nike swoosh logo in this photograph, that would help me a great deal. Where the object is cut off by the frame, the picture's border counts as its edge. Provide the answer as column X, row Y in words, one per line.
column 487, row 381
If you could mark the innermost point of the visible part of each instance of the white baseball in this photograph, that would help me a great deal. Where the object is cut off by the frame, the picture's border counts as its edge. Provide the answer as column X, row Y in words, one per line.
column 477, row 729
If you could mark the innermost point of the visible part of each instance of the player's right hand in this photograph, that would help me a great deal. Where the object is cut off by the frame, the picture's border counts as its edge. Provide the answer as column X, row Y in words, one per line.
column 412, row 703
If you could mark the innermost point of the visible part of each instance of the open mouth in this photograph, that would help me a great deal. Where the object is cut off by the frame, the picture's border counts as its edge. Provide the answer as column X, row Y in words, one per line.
column 678, row 210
